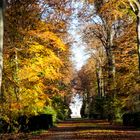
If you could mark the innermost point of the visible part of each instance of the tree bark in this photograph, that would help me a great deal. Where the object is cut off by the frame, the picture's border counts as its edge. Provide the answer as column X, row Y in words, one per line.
column 1, row 41
column 138, row 37
column 110, row 66
column 110, row 60
column 98, row 82
column 135, row 5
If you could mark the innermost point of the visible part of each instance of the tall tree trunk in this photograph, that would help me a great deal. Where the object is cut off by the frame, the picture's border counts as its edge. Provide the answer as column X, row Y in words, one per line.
column 138, row 37
column 98, row 81
column 1, row 41
column 135, row 5
column 110, row 70
column 16, row 88
column 102, row 83
column 110, row 60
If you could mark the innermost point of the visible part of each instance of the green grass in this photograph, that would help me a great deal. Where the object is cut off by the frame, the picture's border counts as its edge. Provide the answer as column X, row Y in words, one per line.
column 38, row 132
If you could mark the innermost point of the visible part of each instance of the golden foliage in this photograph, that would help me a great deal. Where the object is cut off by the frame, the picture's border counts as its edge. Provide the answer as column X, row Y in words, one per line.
column 33, row 59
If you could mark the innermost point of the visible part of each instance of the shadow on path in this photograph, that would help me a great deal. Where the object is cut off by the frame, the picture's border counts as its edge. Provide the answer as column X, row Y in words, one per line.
column 89, row 129
column 84, row 130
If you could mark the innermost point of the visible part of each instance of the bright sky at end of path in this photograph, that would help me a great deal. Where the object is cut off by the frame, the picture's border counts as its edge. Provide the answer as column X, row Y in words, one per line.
column 79, row 56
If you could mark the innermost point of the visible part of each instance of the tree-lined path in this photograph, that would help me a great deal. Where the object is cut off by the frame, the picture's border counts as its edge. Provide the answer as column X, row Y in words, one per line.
column 82, row 130
column 62, row 59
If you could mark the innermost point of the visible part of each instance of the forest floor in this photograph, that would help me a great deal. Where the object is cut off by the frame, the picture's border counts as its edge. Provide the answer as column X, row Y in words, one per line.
column 80, row 130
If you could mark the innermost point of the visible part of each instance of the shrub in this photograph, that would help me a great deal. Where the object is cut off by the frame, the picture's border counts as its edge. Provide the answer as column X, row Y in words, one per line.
column 50, row 110
column 132, row 118
column 128, row 119
column 40, row 122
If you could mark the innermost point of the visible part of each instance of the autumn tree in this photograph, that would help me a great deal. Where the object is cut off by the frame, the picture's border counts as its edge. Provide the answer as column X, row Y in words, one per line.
column 102, row 29
column 135, row 5
column 88, row 79
column 97, row 53
column 34, row 61
column 1, row 40
column 122, row 23
column 132, row 7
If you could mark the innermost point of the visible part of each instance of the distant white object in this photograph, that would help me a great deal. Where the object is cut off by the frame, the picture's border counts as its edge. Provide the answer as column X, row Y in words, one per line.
column 76, row 105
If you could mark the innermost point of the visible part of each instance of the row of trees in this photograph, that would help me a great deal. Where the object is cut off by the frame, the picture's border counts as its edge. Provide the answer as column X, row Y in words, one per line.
column 36, row 67
column 112, row 37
